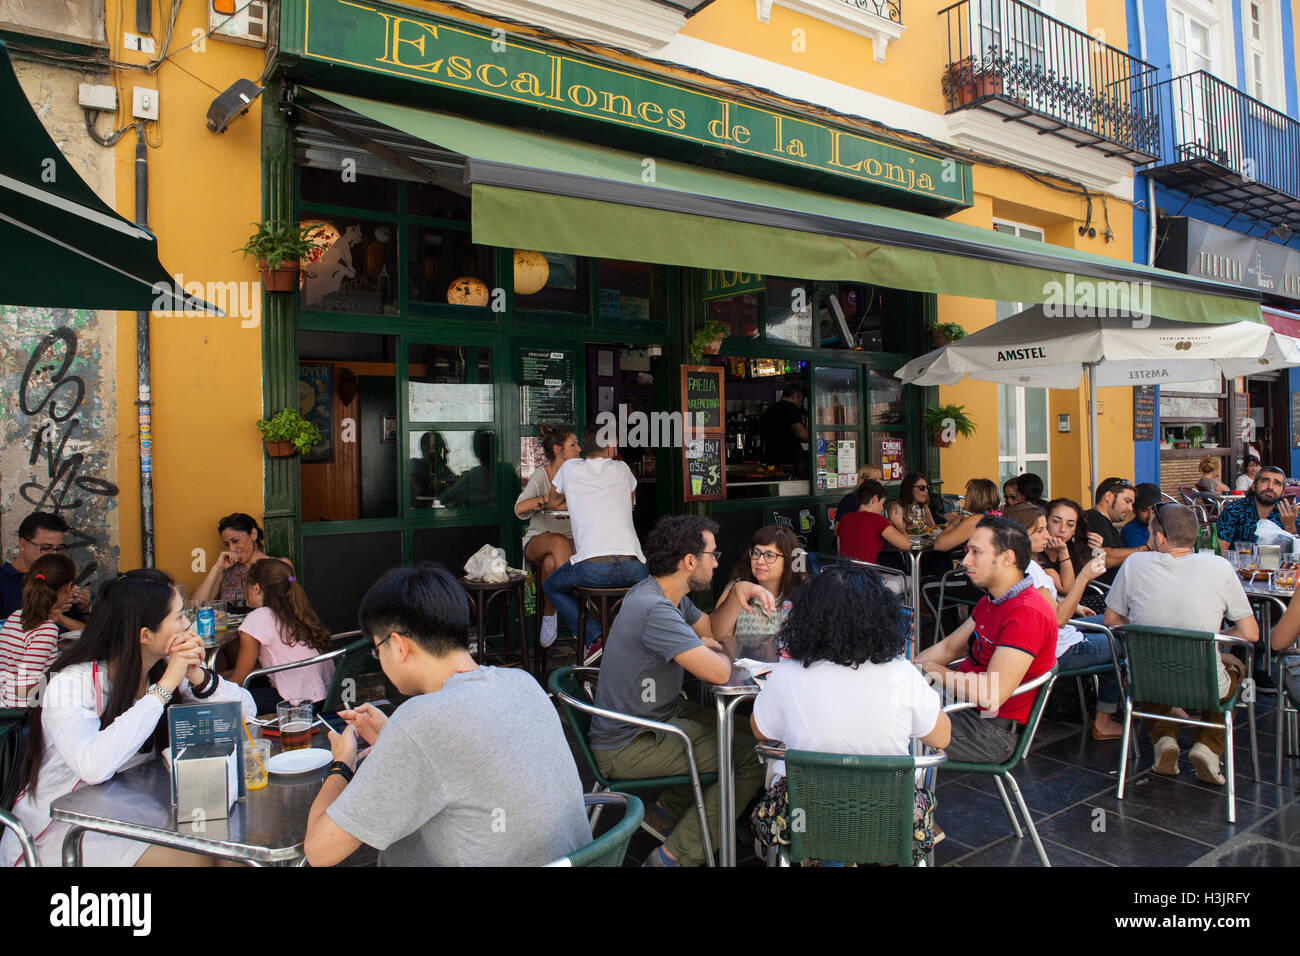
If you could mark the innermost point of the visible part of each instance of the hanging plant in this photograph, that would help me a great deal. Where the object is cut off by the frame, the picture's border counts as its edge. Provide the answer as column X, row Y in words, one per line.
column 939, row 418
column 278, row 246
column 708, row 340
column 946, row 332
column 287, row 433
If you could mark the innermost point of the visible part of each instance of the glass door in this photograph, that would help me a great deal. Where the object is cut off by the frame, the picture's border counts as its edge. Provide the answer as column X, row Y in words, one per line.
column 1022, row 412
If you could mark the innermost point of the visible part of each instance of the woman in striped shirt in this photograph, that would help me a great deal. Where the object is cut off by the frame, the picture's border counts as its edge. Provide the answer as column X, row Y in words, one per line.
column 29, row 637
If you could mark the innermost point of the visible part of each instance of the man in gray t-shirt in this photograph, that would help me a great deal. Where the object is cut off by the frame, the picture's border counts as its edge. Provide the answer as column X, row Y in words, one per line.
column 657, row 636
column 1176, row 587
column 472, row 770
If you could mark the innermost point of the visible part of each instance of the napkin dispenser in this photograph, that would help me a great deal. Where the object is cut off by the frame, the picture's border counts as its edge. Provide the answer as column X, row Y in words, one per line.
column 206, row 785
column 1268, row 557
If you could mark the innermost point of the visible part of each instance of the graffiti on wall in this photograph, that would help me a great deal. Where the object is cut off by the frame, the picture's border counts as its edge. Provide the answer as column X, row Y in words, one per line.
column 59, row 436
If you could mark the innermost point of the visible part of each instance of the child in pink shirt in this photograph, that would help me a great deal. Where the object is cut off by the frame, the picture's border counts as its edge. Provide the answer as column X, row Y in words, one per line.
column 281, row 628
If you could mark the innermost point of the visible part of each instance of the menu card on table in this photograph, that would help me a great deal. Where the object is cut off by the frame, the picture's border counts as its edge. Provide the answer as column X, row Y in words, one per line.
column 203, row 735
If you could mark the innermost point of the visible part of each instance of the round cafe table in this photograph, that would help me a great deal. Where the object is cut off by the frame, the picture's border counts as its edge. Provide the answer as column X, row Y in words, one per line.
column 921, row 543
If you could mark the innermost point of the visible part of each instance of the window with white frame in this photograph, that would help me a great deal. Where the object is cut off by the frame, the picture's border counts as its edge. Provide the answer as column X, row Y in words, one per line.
column 1261, row 37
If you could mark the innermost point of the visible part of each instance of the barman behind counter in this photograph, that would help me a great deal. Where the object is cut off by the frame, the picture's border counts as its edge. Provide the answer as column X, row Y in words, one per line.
column 783, row 430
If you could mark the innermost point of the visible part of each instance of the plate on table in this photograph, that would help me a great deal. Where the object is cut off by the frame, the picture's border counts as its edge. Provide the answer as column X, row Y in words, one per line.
column 300, row 761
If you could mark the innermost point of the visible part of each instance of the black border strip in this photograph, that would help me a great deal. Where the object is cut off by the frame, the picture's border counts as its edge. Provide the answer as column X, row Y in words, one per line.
column 505, row 175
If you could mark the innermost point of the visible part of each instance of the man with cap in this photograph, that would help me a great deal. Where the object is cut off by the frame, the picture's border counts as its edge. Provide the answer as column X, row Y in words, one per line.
column 1135, row 533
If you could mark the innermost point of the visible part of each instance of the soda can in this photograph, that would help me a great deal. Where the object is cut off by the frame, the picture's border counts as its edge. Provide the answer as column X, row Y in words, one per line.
column 207, row 622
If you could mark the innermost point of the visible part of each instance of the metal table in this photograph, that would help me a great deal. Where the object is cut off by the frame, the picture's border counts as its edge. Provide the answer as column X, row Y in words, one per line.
column 217, row 641
column 1259, row 591
column 739, row 686
column 266, row 828
column 920, row 545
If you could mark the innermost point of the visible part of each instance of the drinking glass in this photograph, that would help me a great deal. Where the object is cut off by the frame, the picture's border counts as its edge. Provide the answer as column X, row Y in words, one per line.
column 916, row 519
column 295, row 724
column 1245, row 553
column 256, row 754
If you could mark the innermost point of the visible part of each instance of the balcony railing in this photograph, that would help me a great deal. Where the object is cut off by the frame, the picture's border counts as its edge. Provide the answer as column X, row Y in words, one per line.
column 889, row 9
column 1012, row 59
column 1227, row 148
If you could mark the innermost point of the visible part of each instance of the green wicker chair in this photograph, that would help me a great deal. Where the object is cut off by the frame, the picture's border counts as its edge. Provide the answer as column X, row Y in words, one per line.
column 1079, row 673
column 1042, row 685
column 610, row 847
column 1285, row 715
column 24, row 838
column 1175, row 667
column 856, row 809
column 12, row 722
column 570, row 687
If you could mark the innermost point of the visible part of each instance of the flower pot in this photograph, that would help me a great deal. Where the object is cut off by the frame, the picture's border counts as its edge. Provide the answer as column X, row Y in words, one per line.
column 940, row 340
column 281, row 449
column 1180, row 444
column 713, row 348
column 940, row 442
column 284, row 278
column 1196, row 442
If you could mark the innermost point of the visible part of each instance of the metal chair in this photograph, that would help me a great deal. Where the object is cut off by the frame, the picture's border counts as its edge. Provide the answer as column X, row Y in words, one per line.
column 353, row 661
column 571, row 687
column 951, row 580
column 24, row 838
column 899, row 582
column 856, row 809
column 610, row 847
column 1285, row 715
column 1175, row 667
column 1078, row 674
column 1042, row 687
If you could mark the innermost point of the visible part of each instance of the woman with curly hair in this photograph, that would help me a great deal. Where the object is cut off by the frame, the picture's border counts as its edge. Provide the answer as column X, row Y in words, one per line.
column 847, row 687
column 769, row 563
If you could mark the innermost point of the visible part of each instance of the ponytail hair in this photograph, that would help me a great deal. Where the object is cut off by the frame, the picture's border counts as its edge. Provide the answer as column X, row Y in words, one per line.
column 48, row 575
column 288, row 602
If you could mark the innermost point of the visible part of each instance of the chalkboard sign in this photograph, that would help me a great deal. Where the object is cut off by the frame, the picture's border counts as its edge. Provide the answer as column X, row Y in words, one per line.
column 546, row 386
column 702, row 403
column 704, row 446
column 1144, row 413
column 706, row 473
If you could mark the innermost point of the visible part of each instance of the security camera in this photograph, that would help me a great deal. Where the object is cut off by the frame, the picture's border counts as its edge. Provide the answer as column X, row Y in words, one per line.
column 231, row 104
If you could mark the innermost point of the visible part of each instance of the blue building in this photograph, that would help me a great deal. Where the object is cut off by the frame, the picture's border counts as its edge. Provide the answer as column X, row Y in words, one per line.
column 1223, row 202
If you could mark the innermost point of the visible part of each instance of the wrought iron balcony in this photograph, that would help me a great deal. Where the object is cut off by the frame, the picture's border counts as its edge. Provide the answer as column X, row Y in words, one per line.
column 1227, row 148
column 1013, row 60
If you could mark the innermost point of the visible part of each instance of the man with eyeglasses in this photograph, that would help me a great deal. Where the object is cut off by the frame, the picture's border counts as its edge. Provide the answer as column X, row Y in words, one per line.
column 1239, row 518
column 39, row 534
column 1177, row 587
column 659, row 636
column 1113, row 506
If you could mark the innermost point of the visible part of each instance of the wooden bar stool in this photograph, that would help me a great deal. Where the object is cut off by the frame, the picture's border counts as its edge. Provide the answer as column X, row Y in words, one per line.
column 605, row 602
column 482, row 595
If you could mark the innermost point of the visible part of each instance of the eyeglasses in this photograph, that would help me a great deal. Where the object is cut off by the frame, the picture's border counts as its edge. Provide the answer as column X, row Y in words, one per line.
column 374, row 651
column 47, row 548
column 715, row 554
column 767, row 557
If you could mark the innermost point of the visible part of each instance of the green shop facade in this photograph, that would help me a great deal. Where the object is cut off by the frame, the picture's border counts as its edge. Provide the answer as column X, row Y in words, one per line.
column 511, row 235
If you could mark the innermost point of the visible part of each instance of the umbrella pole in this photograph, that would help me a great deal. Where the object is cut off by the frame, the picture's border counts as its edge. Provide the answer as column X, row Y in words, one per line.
column 1092, row 430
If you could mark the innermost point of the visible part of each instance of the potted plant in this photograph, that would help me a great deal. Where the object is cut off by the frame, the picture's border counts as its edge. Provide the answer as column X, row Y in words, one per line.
column 278, row 245
column 708, row 340
column 938, row 419
column 1194, row 435
column 287, row 433
column 968, row 80
column 946, row 332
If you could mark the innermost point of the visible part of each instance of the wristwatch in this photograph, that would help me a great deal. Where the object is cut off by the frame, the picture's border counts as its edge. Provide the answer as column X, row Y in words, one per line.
column 161, row 692
column 340, row 768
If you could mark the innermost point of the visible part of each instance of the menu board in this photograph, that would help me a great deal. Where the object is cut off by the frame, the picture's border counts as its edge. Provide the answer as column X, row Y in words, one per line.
column 705, row 474
column 1144, row 413
column 890, row 456
column 1295, row 419
column 702, row 389
column 546, row 386
column 703, row 462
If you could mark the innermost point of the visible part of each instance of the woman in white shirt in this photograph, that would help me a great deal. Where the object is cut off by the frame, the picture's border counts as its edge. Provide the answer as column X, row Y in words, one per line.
column 103, row 711
column 845, row 686
column 548, row 542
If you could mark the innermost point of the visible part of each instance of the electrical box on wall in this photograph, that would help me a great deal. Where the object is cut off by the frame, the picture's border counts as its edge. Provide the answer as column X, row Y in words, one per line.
column 239, row 21
column 144, row 103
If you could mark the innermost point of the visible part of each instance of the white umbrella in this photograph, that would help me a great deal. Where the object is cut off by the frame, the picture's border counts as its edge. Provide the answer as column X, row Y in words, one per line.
column 1038, row 350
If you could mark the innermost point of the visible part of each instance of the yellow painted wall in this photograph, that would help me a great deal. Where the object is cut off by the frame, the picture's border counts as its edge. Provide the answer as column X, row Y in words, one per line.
column 204, row 191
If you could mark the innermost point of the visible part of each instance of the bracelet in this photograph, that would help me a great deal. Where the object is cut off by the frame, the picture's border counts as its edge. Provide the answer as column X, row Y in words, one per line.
column 340, row 768
column 208, row 687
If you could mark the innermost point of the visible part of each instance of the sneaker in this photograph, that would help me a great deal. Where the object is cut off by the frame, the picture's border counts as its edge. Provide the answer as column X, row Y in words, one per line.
column 1167, row 757
column 594, row 652
column 550, row 629
column 659, row 857
column 658, row 823
column 1206, row 763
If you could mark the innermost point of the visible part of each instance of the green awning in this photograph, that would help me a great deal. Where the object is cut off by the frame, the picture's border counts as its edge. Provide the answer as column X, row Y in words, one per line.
column 532, row 190
column 61, row 245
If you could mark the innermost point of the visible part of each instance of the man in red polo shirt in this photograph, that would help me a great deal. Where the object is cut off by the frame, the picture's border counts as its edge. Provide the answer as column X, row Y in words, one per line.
column 1010, row 638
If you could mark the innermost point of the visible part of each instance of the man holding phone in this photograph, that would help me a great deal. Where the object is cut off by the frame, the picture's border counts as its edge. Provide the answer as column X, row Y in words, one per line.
column 472, row 770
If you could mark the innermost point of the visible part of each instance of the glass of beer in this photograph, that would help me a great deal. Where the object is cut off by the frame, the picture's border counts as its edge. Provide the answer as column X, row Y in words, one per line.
column 256, row 754
column 295, row 724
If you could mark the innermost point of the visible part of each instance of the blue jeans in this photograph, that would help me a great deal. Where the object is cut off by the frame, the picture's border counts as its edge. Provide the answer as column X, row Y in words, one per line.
column 560, row 585
column 1093, row 650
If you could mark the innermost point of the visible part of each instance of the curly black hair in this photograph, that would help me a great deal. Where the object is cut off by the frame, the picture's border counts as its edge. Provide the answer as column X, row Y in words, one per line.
column 672, row 538
column 845, row 616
